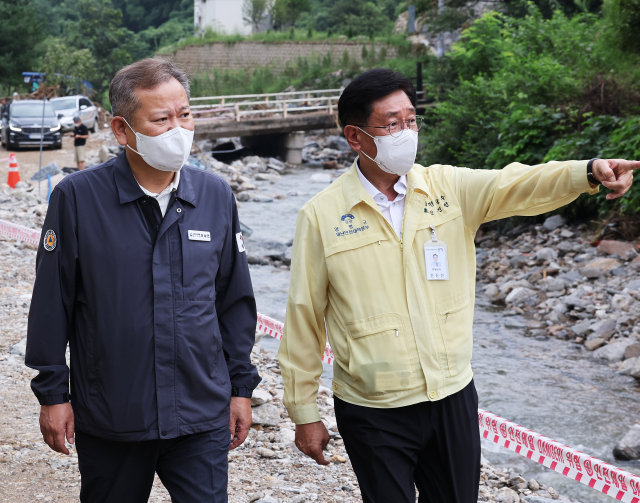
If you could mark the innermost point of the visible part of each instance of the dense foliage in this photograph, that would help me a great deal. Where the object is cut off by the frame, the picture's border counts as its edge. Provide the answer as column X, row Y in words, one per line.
column 530, row 89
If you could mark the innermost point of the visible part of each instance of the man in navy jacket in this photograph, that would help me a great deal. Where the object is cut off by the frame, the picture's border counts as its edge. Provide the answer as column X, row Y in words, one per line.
column 142, row 270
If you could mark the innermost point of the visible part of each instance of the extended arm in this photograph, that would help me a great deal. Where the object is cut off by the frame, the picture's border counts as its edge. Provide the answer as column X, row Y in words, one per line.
column 518, row 189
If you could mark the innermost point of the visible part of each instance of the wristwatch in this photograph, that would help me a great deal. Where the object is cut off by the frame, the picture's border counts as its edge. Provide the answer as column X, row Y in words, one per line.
column 592, row 179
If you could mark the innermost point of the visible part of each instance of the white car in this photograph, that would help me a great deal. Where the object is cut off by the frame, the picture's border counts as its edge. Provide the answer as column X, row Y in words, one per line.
column 69, row 106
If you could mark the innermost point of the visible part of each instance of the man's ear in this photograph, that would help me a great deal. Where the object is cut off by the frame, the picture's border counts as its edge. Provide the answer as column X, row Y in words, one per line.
column 351, row 135
column 119, row 129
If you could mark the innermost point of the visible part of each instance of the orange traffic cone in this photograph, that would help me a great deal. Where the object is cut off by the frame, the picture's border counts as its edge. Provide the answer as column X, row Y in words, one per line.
column 14, row 175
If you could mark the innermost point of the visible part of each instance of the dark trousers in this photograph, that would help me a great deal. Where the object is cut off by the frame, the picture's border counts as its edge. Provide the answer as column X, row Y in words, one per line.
column 193, row 468
column 434, row 446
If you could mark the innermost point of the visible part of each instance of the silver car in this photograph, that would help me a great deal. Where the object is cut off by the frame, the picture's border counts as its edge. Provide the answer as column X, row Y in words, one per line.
column 68, row 106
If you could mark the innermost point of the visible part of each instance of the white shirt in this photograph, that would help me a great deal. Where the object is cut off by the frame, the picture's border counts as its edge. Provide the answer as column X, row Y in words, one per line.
column 393, row 211
column 165, row 196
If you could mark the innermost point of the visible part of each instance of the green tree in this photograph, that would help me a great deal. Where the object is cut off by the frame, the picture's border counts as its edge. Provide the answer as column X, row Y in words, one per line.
column 254, row 12
column 97, row 27
column 286, row 12
column 65, row 65
column 20, row 32
column 360, row 17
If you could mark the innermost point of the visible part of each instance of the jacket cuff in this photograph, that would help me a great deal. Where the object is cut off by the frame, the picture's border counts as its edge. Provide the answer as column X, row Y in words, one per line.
column 304, row 414
column 53, row 399
column 241, row 391
column 579, row 178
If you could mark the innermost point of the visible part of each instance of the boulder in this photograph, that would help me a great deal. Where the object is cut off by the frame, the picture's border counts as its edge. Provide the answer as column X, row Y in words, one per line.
column 582, row 327
column 338, row 143
column 553, row 222
column 491, row 290
column 631, row 367
column 321, row 178
column 604, row 264
column 266, row 415
column 546, row 254
column 591, row 272
column 19, row 348
column 260, row 396
column 330, row 165
column 629, row 447
column 518, row 261
column 263, row 452
column 620, row 301
column 632, row 351
column 634, row 285
column 611, row 353
column 594, row 344
column 507, row 495
column 605, row 329
column 553, row 285
column 259, row 198
column 622, row 249
column 571, row 276
column 519, row 294
column 285, row 436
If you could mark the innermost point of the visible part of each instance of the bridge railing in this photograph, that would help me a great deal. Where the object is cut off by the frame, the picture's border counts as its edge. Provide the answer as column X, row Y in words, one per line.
column 235, row 107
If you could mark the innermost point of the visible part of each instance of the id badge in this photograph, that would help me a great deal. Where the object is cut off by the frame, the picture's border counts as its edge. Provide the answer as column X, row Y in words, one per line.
column 436, row 260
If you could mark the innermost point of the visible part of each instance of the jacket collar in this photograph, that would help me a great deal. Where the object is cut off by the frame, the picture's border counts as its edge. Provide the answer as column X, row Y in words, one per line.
column 355, row 193
column 129, row 190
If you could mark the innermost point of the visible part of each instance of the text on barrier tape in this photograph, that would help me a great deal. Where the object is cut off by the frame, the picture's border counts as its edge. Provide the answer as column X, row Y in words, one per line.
column 597, row 474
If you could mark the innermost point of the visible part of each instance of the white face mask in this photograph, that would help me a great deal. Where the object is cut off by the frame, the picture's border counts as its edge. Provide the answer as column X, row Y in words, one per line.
column 396, row 154
column 166, row 152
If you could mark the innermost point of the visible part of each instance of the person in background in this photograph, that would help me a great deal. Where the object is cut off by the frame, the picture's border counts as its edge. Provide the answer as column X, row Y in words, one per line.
column 5, row 108
column 80, row 135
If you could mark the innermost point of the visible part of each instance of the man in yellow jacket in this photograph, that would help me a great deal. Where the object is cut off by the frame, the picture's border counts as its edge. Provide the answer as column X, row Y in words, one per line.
column 384, row 265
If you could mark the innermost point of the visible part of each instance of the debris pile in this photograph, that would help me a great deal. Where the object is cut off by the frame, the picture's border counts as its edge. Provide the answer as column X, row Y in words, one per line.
column 567, row 288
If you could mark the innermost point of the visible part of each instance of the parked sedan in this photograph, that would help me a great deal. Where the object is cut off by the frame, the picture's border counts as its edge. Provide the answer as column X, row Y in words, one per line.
column 67, row 107
column 28, row 122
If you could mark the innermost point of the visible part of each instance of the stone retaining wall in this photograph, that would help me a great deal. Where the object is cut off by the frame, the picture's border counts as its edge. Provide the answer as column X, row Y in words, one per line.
column 248, row 55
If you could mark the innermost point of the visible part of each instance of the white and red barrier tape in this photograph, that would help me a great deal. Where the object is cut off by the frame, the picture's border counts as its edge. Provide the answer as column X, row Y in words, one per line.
column 274, row 328
column 20, row 232
column 597, row 474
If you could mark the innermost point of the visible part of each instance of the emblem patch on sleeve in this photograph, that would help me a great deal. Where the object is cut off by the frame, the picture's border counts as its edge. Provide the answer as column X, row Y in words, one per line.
column 50, row 240
column 240, row 241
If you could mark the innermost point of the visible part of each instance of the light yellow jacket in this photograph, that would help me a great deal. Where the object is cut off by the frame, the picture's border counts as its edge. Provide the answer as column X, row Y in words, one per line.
column 398, row 338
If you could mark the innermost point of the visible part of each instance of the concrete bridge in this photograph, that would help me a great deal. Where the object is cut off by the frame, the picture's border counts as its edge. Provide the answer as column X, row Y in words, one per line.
column 274, row 119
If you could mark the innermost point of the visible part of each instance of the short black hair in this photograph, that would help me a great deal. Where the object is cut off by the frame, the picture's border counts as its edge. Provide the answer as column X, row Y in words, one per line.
column 356, row 103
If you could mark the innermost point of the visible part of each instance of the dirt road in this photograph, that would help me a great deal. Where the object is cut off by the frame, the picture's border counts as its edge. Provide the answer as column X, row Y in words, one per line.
column 29, row 158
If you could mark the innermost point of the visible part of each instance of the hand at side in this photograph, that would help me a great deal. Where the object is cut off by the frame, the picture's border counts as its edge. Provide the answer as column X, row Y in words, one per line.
column 312, row 439
column 56, row 423
column 240, row 420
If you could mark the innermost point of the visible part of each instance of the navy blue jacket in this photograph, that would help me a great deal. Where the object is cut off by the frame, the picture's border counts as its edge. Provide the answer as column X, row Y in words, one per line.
column 160, row 336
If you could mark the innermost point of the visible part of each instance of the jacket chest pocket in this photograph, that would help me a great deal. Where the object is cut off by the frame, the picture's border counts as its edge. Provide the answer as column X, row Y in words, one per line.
column 200, row 261
column 379, row 361
column 455, row 318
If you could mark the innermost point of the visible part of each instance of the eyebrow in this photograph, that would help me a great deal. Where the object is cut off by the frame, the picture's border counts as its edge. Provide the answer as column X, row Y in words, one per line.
column 397, row 112
column 167, row 112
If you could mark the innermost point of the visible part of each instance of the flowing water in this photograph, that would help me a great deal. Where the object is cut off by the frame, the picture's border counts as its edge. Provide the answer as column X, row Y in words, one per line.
column 548, row 386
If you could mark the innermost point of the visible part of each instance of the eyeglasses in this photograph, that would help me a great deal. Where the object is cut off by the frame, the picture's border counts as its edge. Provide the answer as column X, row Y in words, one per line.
column 396, row 127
